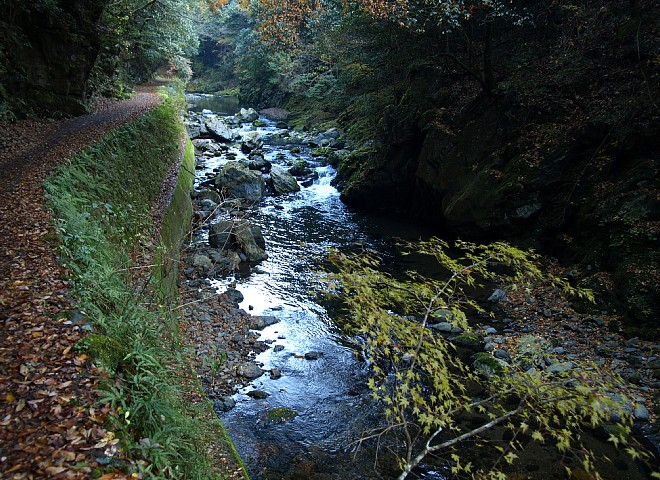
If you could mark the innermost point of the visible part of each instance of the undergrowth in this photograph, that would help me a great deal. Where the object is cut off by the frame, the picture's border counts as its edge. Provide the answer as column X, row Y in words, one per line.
column 101, row 202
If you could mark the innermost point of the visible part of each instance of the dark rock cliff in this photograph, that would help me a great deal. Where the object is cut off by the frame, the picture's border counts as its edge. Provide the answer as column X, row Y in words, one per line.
column 562, row 157
column 48, row 50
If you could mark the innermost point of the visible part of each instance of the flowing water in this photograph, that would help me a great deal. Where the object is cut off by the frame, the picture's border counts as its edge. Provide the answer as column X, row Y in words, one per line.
column 328, row 395
column 333, row 408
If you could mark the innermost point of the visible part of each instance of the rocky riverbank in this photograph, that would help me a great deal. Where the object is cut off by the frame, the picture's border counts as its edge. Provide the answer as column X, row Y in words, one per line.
column 226, row 337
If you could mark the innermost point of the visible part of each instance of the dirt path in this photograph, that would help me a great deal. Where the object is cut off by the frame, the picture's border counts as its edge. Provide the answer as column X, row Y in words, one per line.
column 49, row 424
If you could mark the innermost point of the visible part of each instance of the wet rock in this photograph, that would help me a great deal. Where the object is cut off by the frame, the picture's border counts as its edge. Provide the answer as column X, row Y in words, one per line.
column 445, row 327
column 313, row 355
column 497, row 296
column 202, row 262
column 234, row 296
column 258, row 394
column 221, row 234
column 243, row 232
column 247, row 115
column 251, row 141
column 261, row 322
column 275, row 373
column 249, row 370
column 241, row 182
column 257, row 162
column 282, row 181
column 224, row 404
column 280, row 415
column 278, row 348
column 220, row 130
column 502, row 355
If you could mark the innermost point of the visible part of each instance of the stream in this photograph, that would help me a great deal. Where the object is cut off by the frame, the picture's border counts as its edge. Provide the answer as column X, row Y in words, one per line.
column 328, row 394
column 315, row 418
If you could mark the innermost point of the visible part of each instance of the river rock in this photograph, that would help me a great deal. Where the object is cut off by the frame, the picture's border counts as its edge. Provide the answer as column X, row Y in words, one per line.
column 196, row 128
column 282, row 181
column 325, row 139
column 241, row 182
column 313, row 355
column 221, row 234
column 247, row 115
column 489, row 365
column 202, row 262
column 275, row 373
column 261, row 322
column 220, row 130
column 441, row 315
column 251, row 141
column 258, row 236
column 207, row 194
column 247, row 242
column 441, row 327
column 249, row 370
column 234, row 296
column 258, row 162
column 224, row 404
column 258, row 394
column 497, row 295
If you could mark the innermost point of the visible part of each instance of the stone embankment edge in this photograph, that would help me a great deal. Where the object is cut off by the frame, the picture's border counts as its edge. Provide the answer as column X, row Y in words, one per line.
column 174, row 224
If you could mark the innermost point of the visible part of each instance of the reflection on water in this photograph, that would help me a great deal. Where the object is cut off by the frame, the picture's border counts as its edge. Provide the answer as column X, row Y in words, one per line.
column 220, row 104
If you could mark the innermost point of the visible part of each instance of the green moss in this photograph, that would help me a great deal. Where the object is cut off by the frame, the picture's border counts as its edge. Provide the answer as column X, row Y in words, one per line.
column 488, row 365
column 321, row 152
column 105, row 350
column 468, row 338
column 176, row 224
column 258, row 123
column 101, row 202
column 280, row 415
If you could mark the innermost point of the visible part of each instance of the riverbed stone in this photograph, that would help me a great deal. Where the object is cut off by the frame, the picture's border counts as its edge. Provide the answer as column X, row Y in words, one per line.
column 247, row 115
column 249, row 370
column 262, row 321
column 282, row 181
column 247, row 242
column 313, row 355
column 240, row 182
column 258, row 394
column 220, row 130
column 202, row 262
column 251, row 141
column 221, row 234
column 445, row 327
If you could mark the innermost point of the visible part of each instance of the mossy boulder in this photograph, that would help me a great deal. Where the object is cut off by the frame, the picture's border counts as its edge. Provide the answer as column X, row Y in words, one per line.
column 489, row 365
column 280, row 415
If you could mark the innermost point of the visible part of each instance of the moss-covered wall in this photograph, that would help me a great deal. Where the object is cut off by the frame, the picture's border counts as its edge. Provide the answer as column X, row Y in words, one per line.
column 175, row 226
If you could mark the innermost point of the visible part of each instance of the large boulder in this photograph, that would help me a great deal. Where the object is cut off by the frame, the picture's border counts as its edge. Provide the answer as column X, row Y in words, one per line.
column 251, row 141
column 247, row 115
column 241, row 182
column 220, row 130
column 247, row 243
column 221, row 234
column 240, row 236
column 282, row 181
